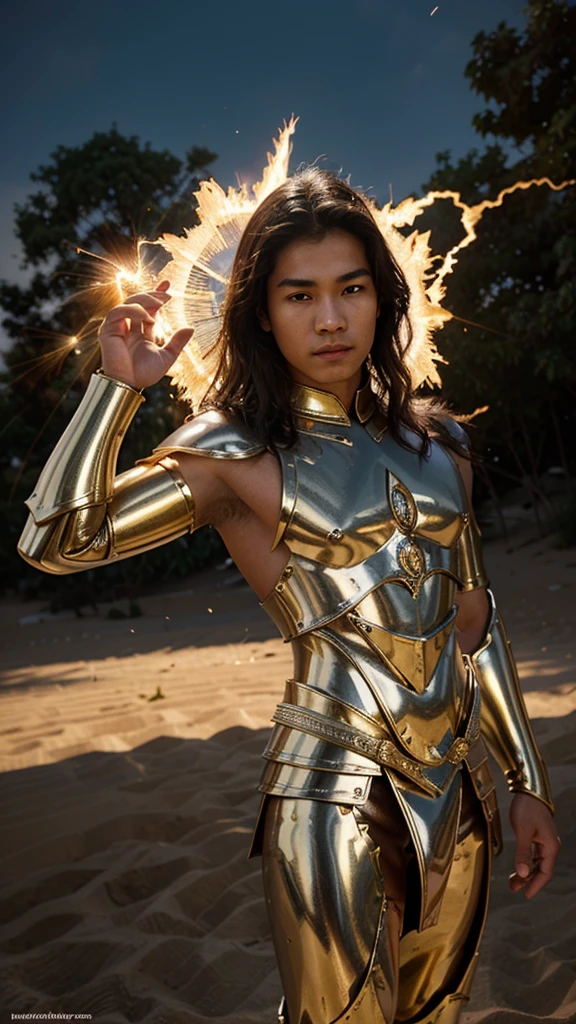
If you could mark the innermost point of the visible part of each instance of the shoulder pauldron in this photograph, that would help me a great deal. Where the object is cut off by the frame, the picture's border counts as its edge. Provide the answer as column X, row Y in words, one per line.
column 210, row 434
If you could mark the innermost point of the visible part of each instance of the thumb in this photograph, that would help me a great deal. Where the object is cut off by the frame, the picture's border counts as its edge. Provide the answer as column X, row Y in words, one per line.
column 523, row 859
column 177, row 343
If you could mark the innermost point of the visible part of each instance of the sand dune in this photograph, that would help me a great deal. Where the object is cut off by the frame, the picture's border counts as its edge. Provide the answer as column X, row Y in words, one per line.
column 126, row 892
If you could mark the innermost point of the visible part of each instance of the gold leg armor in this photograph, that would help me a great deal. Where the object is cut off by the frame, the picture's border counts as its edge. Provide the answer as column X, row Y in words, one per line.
column 505, row 723
column 81, row 514
column 327, row 910
column 338, row 882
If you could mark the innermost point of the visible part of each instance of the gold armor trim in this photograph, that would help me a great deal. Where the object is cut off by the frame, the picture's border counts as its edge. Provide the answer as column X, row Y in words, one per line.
column 345, row 729
column 505, row 722
column 315, row 404
column 412, row 659
column 471, row 570
column 289, row 494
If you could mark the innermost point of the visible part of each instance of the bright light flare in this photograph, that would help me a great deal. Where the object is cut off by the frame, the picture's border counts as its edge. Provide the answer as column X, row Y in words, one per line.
column 200, row 261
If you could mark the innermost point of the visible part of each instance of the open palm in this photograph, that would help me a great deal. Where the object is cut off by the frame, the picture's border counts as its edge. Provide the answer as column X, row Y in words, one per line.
column 129, row 351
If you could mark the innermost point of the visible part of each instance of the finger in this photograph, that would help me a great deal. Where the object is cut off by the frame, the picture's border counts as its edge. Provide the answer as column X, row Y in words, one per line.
column 163, row 286
column 129, row 311
column 172, row 349
column 523, row 859
column 545, row 870
column 152, row 301
column 515, row 883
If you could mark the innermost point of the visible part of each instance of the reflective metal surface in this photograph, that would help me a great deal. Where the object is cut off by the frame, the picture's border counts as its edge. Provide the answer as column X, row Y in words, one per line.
column 87, row 516
column 437, row 965
column 413, row 659
column 81, row 469
column 471, row 570
column 210, row 434
column 326, row 904
column 369, row 493
column 380, row 538
column 337, row 893
column 505, row 722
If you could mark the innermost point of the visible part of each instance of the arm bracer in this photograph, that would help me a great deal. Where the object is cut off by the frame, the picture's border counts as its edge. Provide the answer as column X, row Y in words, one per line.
column 81, row 513
column 505, row 723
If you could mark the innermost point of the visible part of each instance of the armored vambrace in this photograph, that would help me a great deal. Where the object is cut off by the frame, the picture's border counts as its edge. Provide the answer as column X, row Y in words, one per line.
column 82, row 515
column 505, row 723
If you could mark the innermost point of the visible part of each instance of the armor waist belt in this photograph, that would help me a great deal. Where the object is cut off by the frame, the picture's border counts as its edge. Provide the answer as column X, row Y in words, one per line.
column 382, row 751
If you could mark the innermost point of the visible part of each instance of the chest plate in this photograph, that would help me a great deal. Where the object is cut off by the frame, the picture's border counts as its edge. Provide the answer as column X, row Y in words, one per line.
column 358, row 513
column 345, row 495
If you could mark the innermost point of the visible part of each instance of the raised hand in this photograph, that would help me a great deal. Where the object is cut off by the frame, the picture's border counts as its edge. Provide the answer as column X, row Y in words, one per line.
column 537, row 844
column 129, row 352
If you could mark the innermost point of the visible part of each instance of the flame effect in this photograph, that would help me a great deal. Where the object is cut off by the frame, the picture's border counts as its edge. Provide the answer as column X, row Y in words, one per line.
column 198, row 266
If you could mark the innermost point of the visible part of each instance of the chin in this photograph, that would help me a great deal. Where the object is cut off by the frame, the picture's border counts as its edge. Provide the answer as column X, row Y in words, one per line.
column 333, row 374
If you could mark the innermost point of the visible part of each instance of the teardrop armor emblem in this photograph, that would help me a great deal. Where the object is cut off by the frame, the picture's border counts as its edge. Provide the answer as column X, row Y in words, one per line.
column 411, row 559
column 403, row 508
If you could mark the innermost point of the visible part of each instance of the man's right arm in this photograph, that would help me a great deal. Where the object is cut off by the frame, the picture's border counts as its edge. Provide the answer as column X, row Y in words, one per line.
column 83, row 515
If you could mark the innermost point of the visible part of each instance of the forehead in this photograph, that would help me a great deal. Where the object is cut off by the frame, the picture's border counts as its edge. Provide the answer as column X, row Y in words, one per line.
column 334, row 254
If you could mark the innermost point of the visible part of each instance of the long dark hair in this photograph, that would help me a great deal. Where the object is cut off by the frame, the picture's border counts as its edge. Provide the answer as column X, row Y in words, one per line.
column 254, row 383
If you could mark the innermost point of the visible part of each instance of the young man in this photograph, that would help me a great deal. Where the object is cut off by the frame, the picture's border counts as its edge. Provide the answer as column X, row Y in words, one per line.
column 347, row 506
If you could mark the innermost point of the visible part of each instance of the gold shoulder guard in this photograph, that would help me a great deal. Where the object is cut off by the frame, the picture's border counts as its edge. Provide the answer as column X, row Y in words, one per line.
column 81, row 513
column 210, row 434
column 505, row 723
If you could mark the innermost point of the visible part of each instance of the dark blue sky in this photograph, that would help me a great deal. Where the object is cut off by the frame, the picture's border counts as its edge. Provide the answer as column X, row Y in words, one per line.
column 378, row 85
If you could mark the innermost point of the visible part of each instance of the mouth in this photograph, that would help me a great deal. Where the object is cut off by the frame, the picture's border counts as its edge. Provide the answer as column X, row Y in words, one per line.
column 333, row 352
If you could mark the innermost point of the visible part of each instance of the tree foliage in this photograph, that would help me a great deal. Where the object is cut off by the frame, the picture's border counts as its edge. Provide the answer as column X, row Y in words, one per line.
column 530, row 78
column 518, row 280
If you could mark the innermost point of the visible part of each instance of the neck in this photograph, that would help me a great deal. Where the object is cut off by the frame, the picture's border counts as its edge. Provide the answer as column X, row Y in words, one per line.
column 344, row 390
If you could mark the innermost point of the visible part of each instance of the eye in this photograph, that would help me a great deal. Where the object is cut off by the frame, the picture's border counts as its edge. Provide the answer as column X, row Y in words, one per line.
column 298, row 297
column 355, row 287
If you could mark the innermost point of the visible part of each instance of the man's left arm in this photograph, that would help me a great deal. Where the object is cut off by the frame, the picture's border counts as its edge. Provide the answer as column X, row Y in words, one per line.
column 504, row 719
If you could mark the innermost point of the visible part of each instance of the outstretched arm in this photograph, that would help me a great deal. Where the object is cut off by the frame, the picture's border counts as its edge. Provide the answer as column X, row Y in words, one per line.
column 505, row 723
column 81, row 513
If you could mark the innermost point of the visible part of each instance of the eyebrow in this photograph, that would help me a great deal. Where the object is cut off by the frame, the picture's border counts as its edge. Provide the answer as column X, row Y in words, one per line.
column 302, row 282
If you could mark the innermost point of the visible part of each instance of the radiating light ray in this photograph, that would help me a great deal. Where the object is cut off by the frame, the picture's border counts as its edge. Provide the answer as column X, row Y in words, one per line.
column 200, row 261
column 471, row 215
column 205, row 255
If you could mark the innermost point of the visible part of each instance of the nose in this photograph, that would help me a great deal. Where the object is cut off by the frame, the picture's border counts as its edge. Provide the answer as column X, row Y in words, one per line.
column 329, row 317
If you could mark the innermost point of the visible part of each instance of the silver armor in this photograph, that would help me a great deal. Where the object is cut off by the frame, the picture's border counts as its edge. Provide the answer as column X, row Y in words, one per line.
column 380, row 541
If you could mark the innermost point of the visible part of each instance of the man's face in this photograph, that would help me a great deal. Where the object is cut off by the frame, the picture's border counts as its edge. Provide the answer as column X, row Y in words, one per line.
column 322, row 309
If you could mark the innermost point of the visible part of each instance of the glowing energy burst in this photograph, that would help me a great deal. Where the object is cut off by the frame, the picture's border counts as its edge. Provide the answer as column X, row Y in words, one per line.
column 200, row 261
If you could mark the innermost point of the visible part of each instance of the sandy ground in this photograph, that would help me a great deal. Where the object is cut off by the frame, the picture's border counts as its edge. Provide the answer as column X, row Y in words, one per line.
column 130, row 756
